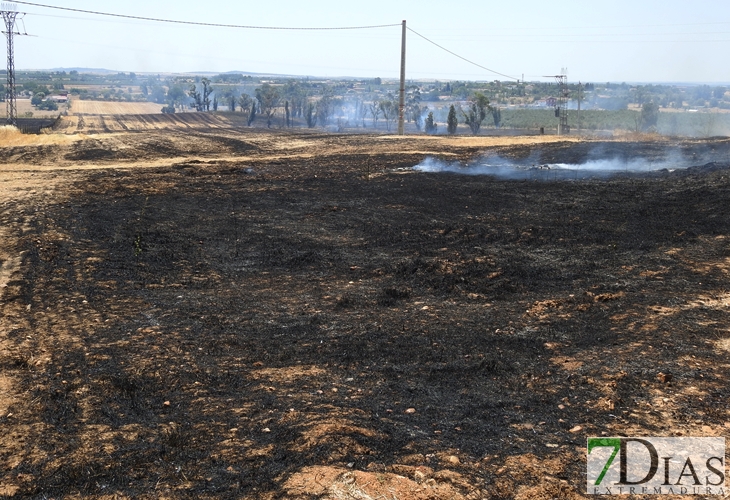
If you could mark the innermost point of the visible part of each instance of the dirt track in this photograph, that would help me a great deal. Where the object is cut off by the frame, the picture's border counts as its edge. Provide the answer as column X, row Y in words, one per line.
column 259, row 315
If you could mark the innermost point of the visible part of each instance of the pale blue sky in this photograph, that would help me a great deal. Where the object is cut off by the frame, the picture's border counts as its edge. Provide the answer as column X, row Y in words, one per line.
column 599, row 41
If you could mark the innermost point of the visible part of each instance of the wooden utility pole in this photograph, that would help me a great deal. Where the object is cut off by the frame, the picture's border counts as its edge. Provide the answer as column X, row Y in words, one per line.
column 402, row 100
column 580, row 98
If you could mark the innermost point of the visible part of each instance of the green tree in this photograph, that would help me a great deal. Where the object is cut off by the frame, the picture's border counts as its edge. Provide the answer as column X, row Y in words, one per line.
column 649, row 115
column 413, row 107
column 157, row 94
column 431, row 125
column 207, row 91
column 48, row 105
column 478, row 109
column 497, row 117
column 176, row 96
column 268, row 97
column 245, row 102
column 228, row 96
column 297, row 97
column 37, row 99
column 374, row 108
column 197, row 97
column 389, row 109
column 324, row 109
column 451, row 121
column 310, row 116
column 252, row 113
column 201, row 100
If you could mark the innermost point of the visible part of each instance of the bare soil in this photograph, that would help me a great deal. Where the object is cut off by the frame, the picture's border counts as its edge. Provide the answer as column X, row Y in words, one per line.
column 228, row 313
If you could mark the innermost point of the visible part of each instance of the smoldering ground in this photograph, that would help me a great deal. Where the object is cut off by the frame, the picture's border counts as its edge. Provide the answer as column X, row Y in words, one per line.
column 600, row 161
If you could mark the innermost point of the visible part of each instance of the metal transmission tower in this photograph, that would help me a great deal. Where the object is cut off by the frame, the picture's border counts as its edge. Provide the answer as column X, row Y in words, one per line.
column 10, row 14
column 561, row 106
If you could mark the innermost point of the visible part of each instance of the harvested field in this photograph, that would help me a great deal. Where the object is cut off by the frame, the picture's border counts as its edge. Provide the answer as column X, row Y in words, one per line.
column 99, row 124
column 79, row 107
column 229, row 313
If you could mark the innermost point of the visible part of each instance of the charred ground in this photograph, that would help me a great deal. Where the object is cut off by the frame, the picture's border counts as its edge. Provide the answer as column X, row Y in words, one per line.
column 262, row 316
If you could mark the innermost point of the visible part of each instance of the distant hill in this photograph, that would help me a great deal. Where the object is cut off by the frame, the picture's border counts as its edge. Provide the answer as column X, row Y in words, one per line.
column 98, row 71
column 103, row 71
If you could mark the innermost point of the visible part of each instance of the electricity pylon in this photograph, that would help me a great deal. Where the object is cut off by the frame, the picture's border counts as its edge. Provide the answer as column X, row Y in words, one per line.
column 10, row 14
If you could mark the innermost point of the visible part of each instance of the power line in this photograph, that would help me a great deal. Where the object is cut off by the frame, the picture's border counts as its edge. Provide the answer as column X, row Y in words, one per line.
column 217, row 25
column 237, row 26
column 463, row 58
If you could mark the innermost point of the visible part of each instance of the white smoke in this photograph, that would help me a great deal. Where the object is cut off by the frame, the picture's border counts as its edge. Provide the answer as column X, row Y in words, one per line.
column 532, row 168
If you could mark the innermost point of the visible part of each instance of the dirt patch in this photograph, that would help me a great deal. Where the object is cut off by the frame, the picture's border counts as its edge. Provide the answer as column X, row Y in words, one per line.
column 249, row 321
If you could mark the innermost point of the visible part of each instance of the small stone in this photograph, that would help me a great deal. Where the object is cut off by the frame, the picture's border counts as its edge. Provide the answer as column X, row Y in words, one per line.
column 335, row 389
column 166, row 403
column 411, row 410
column 562, row 407
column 454, row 460
column 664, row 378
column 551, row 445
column 575, row 429
column 266, row 429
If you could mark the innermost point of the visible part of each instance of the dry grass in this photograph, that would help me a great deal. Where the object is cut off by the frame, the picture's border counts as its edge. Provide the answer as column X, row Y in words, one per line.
column 24, row 106
column 632, row 136
column 11, row 136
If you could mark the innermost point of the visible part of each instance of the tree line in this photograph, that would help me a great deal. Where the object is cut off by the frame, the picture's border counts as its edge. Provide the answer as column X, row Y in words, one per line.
column 284, row 105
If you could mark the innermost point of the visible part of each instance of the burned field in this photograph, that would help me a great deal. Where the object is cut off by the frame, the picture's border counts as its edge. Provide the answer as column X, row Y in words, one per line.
column 296, row 315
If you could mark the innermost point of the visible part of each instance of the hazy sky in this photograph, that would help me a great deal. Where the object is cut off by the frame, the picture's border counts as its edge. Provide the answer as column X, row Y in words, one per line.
column 598, row 41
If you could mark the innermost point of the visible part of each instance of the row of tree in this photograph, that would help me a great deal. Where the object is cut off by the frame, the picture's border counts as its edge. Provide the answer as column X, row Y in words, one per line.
column 292, row 102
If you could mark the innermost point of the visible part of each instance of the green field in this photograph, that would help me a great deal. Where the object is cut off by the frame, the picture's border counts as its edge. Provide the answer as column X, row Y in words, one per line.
column 670, row 123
